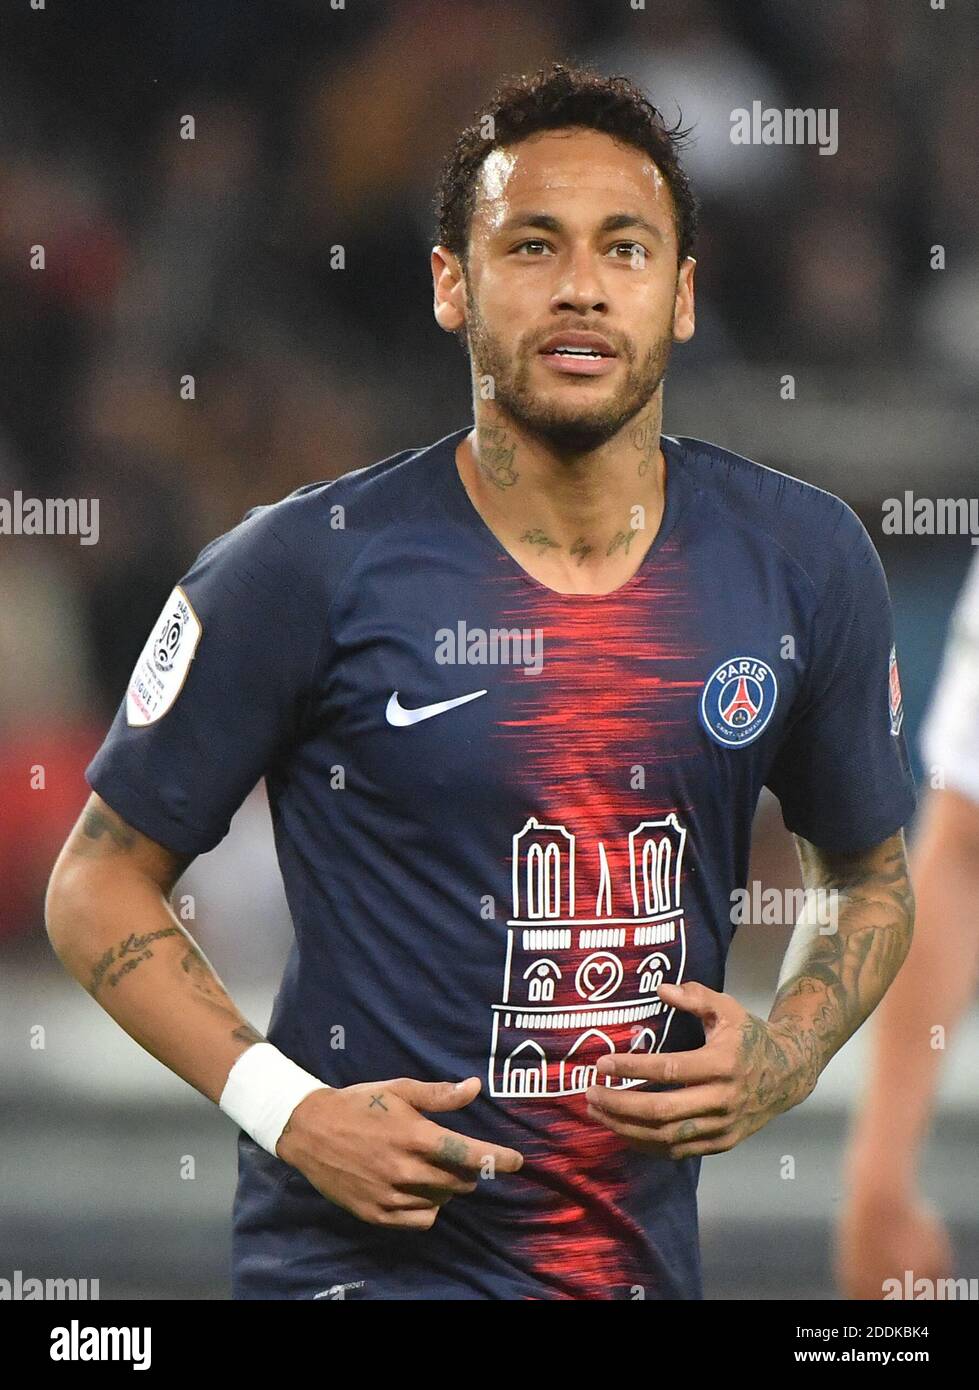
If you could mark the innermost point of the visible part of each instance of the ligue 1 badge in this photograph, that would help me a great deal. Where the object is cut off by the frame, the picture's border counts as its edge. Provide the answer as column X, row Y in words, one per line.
column 738, row 701
column 894, row 701
column 161, row 670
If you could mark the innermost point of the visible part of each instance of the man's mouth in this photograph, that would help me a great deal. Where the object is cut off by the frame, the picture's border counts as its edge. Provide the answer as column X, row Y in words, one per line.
column 579, row 354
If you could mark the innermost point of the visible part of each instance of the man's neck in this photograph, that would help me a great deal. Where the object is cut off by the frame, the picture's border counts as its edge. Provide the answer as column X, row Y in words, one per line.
column 578, row 525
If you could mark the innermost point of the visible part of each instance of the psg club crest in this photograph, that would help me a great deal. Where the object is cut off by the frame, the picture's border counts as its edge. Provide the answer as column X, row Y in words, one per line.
column 738, row 701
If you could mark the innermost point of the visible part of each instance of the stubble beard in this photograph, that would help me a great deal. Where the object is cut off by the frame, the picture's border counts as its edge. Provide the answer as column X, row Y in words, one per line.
column 567, row 431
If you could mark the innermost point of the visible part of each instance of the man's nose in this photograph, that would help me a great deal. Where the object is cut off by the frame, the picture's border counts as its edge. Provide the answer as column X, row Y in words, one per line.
column 581, row 288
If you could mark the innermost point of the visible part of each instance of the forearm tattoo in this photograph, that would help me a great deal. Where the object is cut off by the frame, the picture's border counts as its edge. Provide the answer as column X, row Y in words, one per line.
column 832, row 982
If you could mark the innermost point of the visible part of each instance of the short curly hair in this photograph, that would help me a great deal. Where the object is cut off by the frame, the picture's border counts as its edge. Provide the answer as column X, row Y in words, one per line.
column 554, row 98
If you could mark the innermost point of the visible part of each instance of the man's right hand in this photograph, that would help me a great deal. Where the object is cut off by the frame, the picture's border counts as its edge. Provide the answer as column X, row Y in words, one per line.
column 368, row 1149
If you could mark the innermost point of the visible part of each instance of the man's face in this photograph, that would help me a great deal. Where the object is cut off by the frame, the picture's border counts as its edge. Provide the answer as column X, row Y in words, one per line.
column 572, row 296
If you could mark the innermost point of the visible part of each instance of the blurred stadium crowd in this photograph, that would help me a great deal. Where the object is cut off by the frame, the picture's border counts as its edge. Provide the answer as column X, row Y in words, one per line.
column 320, row 128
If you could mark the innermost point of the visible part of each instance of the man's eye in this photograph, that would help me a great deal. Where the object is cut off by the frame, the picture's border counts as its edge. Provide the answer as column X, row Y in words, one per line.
column 536, row 244
column 632, row 249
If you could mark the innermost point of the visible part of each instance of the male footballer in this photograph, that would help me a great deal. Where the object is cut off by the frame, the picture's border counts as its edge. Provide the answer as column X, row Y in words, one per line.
column 514, row 696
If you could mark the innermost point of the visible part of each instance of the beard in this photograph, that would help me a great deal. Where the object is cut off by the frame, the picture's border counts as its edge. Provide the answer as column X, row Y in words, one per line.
column 567, row 429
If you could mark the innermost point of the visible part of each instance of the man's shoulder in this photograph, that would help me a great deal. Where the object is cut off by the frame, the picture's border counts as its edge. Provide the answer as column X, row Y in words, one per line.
column 811, row 524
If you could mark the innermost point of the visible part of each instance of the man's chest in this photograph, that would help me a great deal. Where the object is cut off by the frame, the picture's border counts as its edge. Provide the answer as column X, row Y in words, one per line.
column 454, row 682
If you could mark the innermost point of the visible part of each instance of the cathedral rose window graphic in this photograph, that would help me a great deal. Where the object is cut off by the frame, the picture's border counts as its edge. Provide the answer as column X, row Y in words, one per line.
column 578, row 986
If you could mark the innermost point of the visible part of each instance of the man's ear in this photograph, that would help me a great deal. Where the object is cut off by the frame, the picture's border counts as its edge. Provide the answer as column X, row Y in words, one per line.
column 683, row 310
column 449, row 287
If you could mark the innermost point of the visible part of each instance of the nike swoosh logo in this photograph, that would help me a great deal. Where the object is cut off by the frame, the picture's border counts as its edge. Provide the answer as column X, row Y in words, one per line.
column 400, row 717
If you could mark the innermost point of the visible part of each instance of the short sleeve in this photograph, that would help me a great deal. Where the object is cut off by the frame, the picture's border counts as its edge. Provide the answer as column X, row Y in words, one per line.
column 950, row 733
column 219, row 690
column 842, row 772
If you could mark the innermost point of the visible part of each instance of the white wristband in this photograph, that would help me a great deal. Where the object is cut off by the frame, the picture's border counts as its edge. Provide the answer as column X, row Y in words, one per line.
column 263, row 1089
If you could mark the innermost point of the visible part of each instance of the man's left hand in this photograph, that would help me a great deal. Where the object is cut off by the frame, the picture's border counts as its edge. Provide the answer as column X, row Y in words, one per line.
column 747, row 1072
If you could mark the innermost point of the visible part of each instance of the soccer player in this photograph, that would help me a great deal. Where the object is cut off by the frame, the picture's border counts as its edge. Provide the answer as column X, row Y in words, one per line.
column 887, row 1229
column 514, row 696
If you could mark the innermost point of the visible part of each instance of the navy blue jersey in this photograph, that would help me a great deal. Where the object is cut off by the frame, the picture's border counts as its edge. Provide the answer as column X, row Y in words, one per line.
column 504, row 816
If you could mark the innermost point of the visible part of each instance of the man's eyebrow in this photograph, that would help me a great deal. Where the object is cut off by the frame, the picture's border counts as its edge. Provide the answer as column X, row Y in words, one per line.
column 545, row 222
column 619, row 221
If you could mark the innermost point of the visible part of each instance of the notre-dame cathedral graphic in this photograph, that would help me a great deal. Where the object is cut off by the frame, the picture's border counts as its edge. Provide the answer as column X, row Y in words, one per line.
column 578, row 986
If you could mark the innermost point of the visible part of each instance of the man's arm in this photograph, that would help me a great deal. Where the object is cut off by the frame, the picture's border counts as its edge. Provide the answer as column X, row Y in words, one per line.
column 366, row 1147
column 839, row 964
column 750, row 1070
column 110, row 923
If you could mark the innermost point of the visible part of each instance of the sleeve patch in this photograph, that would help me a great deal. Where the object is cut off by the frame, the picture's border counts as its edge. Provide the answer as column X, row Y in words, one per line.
column 162, row 667
column 894, row 695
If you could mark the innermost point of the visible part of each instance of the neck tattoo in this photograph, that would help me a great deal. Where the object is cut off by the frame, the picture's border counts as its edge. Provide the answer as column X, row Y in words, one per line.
column 645, row 437
column 496, row 455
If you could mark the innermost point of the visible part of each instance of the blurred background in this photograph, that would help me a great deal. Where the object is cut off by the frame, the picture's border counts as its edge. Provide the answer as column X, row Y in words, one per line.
column 319, row 128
